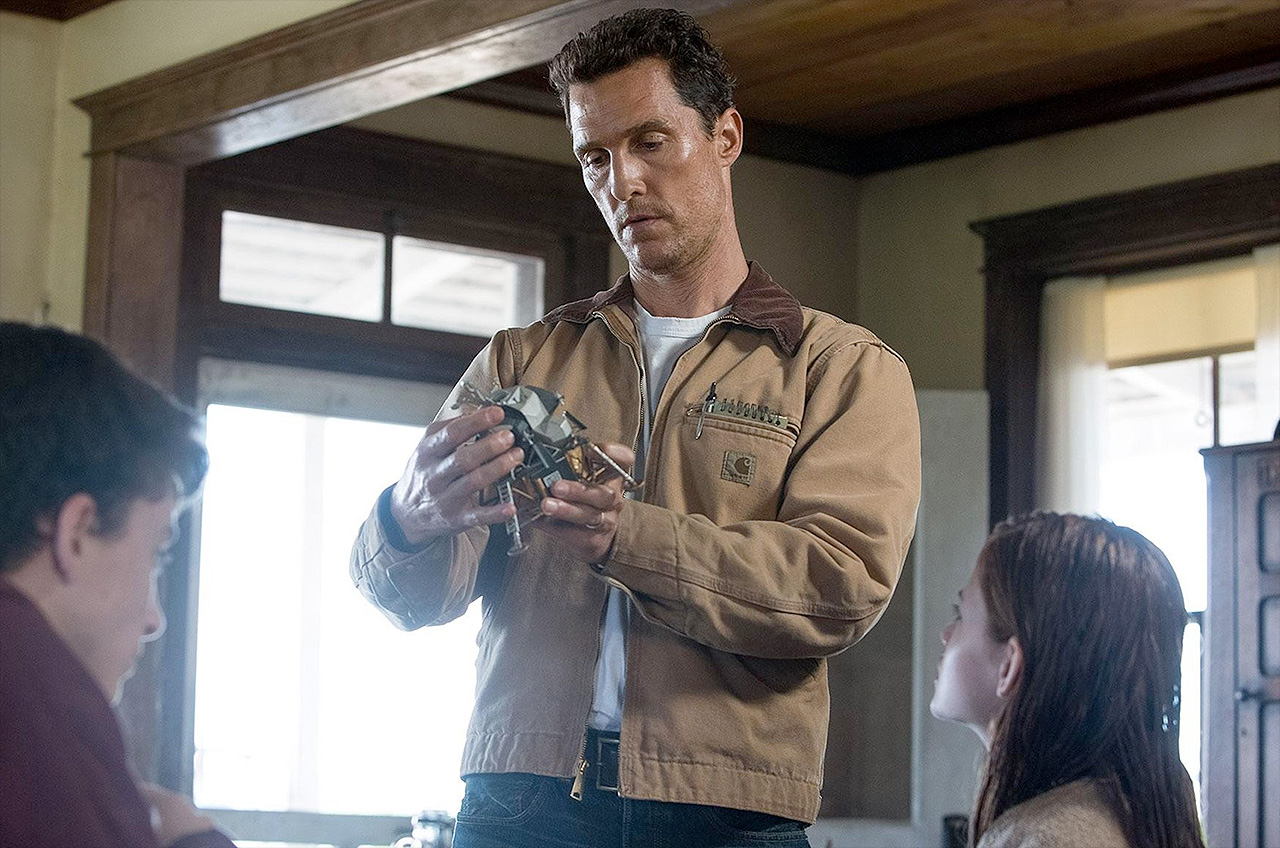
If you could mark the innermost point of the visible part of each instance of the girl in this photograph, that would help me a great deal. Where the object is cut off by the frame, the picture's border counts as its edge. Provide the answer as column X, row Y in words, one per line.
column 1065, row 658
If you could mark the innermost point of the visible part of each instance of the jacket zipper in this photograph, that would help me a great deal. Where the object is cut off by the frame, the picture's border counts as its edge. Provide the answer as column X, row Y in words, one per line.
column 580, row 768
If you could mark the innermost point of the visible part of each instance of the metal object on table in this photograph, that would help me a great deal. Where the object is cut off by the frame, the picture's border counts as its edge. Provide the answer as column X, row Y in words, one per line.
column 554, row 449
column 431, row 829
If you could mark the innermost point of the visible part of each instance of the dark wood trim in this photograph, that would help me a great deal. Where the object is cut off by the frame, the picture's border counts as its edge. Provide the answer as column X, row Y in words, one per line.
column 1184, row 87
column 357, row 178
column 133, row 261
column 1190, row 221
column 54, row 10
column 527, row 91
column 331, row 69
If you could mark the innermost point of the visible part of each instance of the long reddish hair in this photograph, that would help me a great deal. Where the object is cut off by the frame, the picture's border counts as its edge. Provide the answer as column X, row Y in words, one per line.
column 1099, row 615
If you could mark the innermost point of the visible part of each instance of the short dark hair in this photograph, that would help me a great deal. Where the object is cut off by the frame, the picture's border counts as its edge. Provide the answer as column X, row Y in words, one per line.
column 74, row 419
column 698, row 70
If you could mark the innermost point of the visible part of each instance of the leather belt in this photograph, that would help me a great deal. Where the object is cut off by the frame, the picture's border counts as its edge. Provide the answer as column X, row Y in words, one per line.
column 602, row 760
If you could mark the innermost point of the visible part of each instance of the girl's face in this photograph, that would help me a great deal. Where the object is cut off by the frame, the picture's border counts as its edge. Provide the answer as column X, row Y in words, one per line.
column 968, row 687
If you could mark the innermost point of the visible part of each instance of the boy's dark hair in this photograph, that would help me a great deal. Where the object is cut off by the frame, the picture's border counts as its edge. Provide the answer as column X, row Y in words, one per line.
column 698, row 71
column 73, row 419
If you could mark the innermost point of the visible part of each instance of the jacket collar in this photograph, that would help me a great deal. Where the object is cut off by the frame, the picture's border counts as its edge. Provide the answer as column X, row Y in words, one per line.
column 759, row 302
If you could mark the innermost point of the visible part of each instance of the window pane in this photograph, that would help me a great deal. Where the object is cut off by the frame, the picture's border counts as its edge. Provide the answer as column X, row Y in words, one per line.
column 1189, row 730
column 301, row 267
column 1241, row 419
column 307, row 699
column 462, row 289
column 1158, row 418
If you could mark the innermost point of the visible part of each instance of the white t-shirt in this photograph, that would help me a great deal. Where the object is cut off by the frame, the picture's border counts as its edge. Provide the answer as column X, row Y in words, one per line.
column 662, row 340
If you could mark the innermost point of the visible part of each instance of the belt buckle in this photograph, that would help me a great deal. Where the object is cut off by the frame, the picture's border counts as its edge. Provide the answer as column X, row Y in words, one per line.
column 604, row 743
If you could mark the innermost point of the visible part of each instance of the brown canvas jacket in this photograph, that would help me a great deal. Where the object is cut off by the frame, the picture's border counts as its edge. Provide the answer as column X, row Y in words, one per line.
column 756, row 550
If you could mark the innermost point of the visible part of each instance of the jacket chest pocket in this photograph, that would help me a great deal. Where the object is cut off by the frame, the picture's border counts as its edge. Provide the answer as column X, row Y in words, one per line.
column 730, row 467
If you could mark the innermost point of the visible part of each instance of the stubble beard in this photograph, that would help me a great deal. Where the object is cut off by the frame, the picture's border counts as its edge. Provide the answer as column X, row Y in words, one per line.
column 663, row 257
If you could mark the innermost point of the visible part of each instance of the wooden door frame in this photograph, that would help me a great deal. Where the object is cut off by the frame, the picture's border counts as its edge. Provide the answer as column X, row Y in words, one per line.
column 1175, row 224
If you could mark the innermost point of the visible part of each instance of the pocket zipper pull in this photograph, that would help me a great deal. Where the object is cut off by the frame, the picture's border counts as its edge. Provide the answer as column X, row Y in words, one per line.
column 707, row 404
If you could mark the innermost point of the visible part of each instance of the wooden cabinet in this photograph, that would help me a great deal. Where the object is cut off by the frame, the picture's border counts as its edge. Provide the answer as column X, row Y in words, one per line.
column 1241, row 744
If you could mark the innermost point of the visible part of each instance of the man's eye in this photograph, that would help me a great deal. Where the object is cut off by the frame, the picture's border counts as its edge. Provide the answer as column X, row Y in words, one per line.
column 955, row 612
column 593, row 160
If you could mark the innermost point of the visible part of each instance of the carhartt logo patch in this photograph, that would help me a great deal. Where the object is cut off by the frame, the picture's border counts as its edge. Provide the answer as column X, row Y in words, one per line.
column 738, row 467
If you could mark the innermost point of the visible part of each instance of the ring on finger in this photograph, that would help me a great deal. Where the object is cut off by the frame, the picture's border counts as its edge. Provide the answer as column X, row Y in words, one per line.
column 596, row 525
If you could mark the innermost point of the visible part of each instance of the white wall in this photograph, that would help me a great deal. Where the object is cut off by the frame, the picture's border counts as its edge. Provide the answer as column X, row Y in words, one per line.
column 950, row 529
column 28, row 79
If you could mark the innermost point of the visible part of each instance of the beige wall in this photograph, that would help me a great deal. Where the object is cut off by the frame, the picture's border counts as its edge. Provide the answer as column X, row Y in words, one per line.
column 28, row 78
column 797, row 222
column 919, row 280
column 109, row 45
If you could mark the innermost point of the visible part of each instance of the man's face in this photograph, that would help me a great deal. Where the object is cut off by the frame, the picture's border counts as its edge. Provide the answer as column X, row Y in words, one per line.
column 119, row 606
column 660, row 182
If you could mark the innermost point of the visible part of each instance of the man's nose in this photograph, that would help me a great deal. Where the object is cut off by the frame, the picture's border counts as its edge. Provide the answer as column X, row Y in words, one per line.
column 625, row 178
column 946, row 634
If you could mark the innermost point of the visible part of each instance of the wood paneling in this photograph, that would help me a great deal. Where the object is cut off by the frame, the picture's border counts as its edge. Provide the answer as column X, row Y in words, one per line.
column 863, row 87
column 1190, row 221
column 872, row 67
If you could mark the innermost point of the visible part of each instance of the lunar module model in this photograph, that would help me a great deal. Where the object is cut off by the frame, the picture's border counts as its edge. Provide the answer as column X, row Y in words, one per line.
column 554, row 449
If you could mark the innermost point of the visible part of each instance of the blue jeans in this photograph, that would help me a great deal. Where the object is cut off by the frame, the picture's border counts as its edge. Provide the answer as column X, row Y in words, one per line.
column 529, row 811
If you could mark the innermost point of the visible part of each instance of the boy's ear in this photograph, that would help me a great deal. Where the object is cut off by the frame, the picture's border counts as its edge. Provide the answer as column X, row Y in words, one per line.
column 1010, row 668
column 73, row 531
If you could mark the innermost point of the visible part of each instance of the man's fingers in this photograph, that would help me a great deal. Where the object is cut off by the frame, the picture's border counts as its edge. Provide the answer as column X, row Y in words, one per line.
column 606, row 497
column 496, row 514
column 444, row 437
column 486, row 475
column 620, row 454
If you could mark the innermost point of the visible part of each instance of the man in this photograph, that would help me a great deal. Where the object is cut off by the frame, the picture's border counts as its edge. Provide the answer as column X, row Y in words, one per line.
column 661, row 657
column 93, row 463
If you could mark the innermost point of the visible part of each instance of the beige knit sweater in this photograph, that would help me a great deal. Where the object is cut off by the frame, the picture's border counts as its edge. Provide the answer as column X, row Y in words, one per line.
column 1072, row 816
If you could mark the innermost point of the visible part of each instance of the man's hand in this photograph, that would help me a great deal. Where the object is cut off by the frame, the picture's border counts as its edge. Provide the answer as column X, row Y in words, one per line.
column 437, row 494
column 172, row 815
column 583, row 516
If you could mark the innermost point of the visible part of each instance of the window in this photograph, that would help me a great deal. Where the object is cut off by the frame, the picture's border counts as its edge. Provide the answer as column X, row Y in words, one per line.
column 320, row 269
column 334, row 288
column 304, row 693
column 1188, row 380
column 1159, row 416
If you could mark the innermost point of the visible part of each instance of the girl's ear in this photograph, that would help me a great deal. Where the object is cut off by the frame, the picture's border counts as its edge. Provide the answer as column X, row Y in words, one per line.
column 1010, row 668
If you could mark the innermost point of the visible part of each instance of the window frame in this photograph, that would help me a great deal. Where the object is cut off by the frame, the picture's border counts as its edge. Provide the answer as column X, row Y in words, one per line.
column 351, row 178
column 1163, row 226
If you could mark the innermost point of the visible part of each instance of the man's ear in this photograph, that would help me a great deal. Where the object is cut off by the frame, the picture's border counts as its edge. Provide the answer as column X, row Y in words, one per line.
column 73, row 529
column 729, row 136
column 1010, row 668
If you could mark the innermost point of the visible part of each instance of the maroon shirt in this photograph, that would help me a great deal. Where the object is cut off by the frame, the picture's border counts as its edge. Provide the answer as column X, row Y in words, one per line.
column 64, row 776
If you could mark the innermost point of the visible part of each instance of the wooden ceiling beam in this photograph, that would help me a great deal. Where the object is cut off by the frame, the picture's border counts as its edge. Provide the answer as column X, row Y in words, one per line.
column 331, row 69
